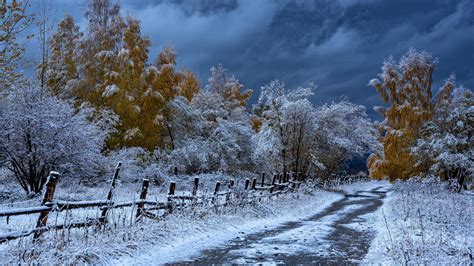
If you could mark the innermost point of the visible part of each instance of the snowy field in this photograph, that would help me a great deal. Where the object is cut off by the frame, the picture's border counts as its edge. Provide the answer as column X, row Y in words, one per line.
column 423, row 223
column 363, row 222
column 198, row 227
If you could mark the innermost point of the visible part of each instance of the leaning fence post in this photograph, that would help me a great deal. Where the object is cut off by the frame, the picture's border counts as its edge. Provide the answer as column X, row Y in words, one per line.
column 143, row 192
column 218, row 185
column 170, row 196
column 247, row 181
column 196, row 186
column 263, row 179
column 48, row 196
column 103, row 216
column 254, row 183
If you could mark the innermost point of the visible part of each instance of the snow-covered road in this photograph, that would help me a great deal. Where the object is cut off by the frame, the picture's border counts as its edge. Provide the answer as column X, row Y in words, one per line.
column 338, row 232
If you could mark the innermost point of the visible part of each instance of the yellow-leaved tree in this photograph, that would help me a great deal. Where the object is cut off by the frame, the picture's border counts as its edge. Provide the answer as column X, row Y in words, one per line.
column 108, row 68
column 406, row 87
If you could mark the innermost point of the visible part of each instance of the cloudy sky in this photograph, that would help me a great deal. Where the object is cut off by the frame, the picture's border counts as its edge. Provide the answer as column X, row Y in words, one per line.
column 337, row 44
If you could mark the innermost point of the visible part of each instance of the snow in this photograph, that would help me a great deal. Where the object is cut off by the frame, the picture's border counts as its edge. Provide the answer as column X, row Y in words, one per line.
column 186, row 245
column 110, row 90
column 422, row 223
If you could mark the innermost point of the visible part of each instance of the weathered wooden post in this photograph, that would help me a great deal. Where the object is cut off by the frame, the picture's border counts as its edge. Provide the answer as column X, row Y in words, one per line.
column 273, row 182
column 218, row 186
column 247, row 181
column 196, row 186
column 254, row 183
column 103, row 216
column 216, row 191
column 231, row 184
column 48, row 196
column 263, row 179
column 143, row 192
column 280, row 177
column 170, row 196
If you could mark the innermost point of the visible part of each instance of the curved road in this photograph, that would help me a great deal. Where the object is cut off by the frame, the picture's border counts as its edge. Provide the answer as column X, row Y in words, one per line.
column 339, row 234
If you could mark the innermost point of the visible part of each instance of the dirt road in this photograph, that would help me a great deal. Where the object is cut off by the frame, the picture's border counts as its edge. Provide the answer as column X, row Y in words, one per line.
column 339, row 234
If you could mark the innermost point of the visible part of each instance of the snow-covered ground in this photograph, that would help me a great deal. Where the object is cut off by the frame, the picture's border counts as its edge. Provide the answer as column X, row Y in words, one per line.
column 303, row 230
column 218, row 231
column 371, row 222
column 187, row 230
column 423, row 223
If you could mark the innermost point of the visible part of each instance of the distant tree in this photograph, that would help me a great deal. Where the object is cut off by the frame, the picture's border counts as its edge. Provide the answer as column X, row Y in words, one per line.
column 62, row 72
column 297, row 136
column 227, row 86
column 211, row 133
column 446, row 147
column 14, row 20
column 41, row 133
column 406, row 87
column 44, row 27
column 343, row 131
column 165, row 83
column 108, row 67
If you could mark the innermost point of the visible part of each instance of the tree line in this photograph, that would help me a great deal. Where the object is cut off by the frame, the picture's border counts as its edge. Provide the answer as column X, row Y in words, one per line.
column 99, row 96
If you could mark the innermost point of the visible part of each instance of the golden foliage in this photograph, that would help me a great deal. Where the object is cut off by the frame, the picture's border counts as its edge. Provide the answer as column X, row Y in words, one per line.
column 13, row 21
column 406, row 87
column 113, row 73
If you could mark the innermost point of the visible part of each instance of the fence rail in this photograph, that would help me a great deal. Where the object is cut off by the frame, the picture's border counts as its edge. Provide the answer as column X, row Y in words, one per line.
column 281, row 183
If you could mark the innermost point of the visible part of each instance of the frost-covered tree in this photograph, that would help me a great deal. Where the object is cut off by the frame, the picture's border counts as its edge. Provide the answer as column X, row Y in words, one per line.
column 40, row 133
column 108, row 67
column 284, row 138
column 211, row 132
column 297, row 136
column 406, row 87
column 62, row 72
column 447, row 145
column 228, row 86
column 343, row 131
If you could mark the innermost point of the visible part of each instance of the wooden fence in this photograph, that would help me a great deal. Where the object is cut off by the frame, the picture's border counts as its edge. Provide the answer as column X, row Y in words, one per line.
column 223, row 194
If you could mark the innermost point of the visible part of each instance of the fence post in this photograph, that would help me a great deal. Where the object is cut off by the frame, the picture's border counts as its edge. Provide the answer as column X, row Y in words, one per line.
column 196, row 186
column 263, row 179
column 273, row 182
column 254, row 183
column 218, row 186
column 143, row 192
column 280, row 176
column 231, row 184
column 216, row 190
column 247, row 181
column 103, row 216
column 48, row 196
column 170, row 198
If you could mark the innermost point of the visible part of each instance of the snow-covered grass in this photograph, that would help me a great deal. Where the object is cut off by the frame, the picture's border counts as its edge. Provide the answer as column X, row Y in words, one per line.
column 184, row 230
column 75, row 191
column 422, row 222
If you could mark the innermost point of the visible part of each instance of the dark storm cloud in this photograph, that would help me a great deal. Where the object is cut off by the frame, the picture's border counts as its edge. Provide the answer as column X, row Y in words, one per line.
column 339, row 45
